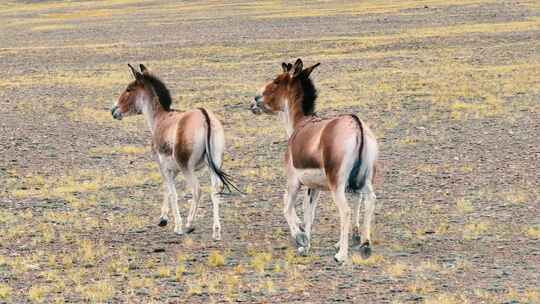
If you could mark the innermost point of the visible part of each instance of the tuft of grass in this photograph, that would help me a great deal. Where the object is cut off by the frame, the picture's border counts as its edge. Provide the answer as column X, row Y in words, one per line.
column 490, row 106
column 446, row 299
column 216, row 259
column 194, row 288
column 260, row 260
column 5, row 292
column 52, row 27
column 511, row 295
column 87, row 253
column 20, row 265
column 37, row 294
column 372, row 261
column 515, row 196
column 179, row 272
column 100, row 291
column 396, row 270
column 139, row 283
column 107, row 150
column 164, row 271
column 82, row 14
column 532, row 232
column 429, row 266
column 67, row 261
column 532, row 296
column 232, row 283
column 442, row 228
column 268, row 285
column 464, row 206
column 188, row 242
column 475, row 230
column 421, row 287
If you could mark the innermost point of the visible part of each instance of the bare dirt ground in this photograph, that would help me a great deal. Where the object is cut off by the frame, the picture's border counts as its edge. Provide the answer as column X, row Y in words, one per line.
column 451, row 88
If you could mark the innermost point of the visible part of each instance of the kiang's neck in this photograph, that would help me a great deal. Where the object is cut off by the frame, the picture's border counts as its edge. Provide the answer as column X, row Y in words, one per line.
column 292, row 115
column 151, row 109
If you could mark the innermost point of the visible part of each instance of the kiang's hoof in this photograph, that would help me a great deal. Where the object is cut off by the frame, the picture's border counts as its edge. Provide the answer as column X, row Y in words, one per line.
column 162, row 222
column 179, row 232
column 339, row 260
column 301, row 240
column 365, row 250
column 189, row 230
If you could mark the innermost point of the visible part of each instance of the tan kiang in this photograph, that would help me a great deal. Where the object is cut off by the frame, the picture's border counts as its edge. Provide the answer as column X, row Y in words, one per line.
column 329, row 154
column 181, row 142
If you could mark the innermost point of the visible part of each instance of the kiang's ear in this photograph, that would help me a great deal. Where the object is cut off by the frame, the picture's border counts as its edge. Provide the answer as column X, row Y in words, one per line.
column 308, row 71
column 144, row 69
column 286, row 67
column 298, row 66
column 136, row 73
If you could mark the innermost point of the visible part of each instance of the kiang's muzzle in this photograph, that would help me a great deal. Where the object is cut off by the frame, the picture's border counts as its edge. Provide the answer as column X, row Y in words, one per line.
column 115, row 112
column 256, row 107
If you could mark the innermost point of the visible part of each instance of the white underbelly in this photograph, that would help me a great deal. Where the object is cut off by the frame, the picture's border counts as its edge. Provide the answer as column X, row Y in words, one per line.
column 312, row 178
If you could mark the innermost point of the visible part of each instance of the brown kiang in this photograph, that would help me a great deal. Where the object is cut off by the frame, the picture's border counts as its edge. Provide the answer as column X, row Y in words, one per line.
column 181, row 142
column 332, row 154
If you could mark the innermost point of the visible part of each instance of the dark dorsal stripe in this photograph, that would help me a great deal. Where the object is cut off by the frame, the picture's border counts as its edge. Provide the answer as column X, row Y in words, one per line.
column 160, row 89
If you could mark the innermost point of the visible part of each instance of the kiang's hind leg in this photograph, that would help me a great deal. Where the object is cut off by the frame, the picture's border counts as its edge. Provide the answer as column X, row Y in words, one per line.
column 192, row 183
column 216, row 189
column 310, row 204
column 345, row 222
column 355, row 238
column 369, row 203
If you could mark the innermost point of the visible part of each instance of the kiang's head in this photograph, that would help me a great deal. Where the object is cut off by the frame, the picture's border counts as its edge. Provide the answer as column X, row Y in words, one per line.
column 139, row 92
column 287, row 85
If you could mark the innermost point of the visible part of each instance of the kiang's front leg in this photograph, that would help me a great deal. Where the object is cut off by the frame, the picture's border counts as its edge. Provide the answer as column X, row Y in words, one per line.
column 169, row 176
column 164, row 217
column 291, row 194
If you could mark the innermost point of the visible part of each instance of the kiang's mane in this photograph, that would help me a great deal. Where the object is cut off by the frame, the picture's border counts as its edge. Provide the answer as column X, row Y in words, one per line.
column 160, row 89
column 309, row 94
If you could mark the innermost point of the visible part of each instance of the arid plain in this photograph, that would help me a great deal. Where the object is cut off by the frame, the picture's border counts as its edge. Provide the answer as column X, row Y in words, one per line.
column 451, row 89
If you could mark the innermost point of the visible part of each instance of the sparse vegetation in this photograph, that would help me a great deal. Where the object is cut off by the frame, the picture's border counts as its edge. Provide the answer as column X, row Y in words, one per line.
column 449, row 87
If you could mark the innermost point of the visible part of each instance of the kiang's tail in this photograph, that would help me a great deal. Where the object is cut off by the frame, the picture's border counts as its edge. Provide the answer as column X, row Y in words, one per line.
column 360, row 170
column 225, row 178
